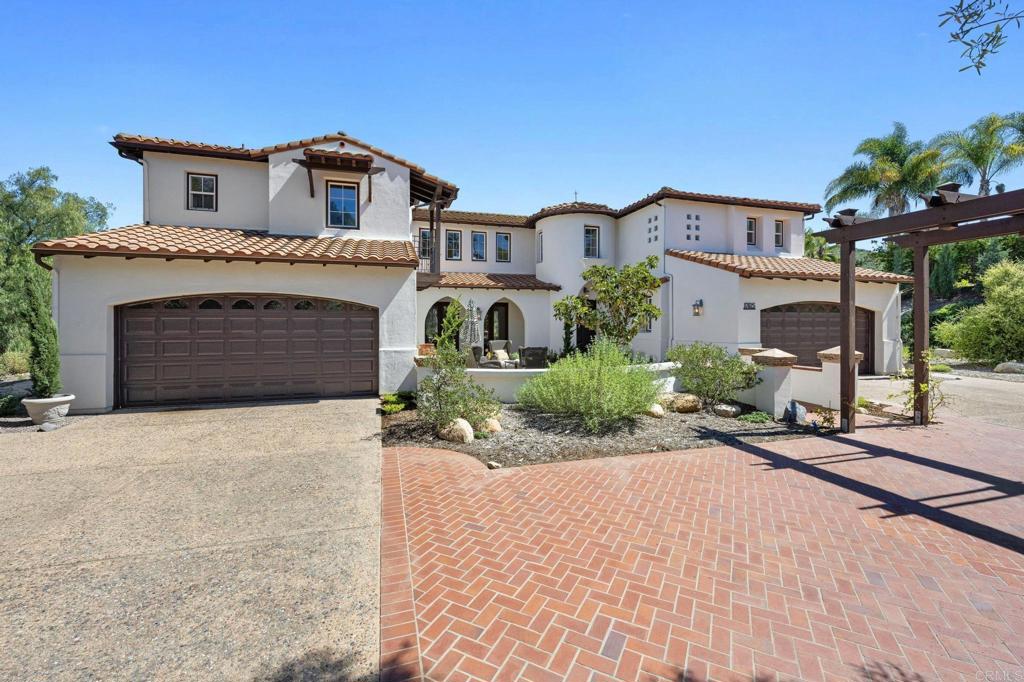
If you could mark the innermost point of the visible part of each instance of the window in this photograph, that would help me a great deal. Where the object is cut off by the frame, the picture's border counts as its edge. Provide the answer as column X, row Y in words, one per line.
column 540, row 246
column 243, row 304
column 202, row 192
column 426, row 245
column 696, row 238
column 751, row 231
column 591, row 241
column 503, row 247
column 210, row 304
column 650, row 323
column 453, row 244
column 478, row 245
column 175, row 304
column 780, row 233
column 273, row 304
column 342, row 206
column 304, row 304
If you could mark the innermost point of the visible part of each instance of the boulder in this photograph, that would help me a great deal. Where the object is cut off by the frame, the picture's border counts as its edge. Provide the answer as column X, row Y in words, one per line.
column 1010, row 368
column 686, row 402
column 723, row 410
column 493, row 465
column 459, row 431
column 655, row 410
column 492, row 425
column 795, row 413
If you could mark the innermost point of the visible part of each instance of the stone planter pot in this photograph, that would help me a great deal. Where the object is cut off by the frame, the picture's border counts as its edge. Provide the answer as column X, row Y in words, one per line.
column 48, row 410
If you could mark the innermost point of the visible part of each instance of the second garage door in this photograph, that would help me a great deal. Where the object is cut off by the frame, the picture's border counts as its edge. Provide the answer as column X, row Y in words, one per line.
column 221, row 347
column 804, row 329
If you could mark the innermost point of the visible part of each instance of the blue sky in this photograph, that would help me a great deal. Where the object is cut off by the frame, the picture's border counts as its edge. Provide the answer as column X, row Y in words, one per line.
column 520, row 104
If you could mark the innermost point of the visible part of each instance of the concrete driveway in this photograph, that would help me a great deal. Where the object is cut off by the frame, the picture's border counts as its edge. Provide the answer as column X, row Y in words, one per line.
column 992, row 401
column 232, row 543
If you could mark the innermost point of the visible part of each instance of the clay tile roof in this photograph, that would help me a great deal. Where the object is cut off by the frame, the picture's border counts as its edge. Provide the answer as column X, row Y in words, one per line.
column 473, row 218
column 771, row 267
column 570, row 207
column 671, row 193
column 335, row 154
column 482, row 280
column 214, row 243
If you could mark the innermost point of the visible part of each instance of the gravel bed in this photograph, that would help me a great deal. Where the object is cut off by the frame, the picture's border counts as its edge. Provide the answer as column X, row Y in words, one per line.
column 536, row 439
column 971, row 369
column 21, row 423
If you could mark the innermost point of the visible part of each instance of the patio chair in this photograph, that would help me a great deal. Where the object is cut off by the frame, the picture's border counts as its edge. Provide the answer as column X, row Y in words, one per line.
column 533, row 357
column 500, row 344
column 474, row 360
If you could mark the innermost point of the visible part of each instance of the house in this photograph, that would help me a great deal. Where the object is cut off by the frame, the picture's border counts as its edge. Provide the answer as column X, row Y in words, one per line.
column 314, row 268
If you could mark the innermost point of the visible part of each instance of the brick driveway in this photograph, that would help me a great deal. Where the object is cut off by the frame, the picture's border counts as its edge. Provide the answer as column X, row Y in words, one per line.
column 893, row 554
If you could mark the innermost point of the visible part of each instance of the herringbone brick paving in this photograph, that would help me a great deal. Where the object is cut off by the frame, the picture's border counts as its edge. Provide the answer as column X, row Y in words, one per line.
column 810, row 559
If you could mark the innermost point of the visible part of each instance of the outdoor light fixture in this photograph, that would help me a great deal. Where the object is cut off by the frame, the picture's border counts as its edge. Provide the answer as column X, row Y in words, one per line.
column 698, row 307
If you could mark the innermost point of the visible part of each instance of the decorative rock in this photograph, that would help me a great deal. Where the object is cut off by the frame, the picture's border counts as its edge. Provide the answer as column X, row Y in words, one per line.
column 686, row 402
column 1010, row 368
column 49, row 426
column 493, row 465
column 459, row 431
column 795, row 413
column 723, row 410
column 655, row 410
column 492, row 425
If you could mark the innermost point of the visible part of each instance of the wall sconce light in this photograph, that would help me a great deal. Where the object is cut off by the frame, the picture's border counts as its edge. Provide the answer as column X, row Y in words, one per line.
column 698, row 307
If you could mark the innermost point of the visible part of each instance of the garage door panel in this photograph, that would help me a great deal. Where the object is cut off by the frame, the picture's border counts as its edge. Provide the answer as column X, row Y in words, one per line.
column 804, row 329
column 244, row 347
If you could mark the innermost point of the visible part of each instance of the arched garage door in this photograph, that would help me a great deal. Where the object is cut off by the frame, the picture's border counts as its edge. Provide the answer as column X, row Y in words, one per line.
column 226, row 347
column 804, row 329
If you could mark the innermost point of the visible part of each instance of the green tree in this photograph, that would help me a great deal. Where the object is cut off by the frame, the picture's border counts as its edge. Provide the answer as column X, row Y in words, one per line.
column 977, row 25
column 984, row 150
column 993, row 331
column 31, row 209
column 44, row 359
column 623, row 299
column 945, row 273
column 817, row 247
column 894, row 172
column 711, row 373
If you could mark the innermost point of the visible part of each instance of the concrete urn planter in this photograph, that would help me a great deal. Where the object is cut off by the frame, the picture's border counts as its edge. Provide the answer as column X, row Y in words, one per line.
column 48, row 410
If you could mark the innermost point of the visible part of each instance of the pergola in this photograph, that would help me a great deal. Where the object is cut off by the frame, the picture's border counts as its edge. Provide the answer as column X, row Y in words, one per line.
column 950, row 216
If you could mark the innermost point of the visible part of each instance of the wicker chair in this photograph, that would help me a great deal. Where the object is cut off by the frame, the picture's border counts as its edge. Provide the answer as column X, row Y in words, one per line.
column 533, row 357
column 474, row 360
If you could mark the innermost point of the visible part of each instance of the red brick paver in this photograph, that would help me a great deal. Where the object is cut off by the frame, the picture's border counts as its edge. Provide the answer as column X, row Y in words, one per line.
column 897, row 551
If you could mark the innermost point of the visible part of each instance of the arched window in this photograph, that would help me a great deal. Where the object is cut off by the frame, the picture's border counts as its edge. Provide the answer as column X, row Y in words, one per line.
column 334, row 306
column 176, row 304
column 273, row 304
column 142, row 305
column 243, row 304
column 305, row 304
column 210, row 304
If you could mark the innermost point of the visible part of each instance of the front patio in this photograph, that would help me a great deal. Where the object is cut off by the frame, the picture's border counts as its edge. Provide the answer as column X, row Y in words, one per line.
column 895, row 553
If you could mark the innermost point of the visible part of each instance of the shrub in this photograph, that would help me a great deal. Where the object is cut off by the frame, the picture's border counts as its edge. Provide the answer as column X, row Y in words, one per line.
column 392, row 408
column 8, row 405
column 992, row 332
column 44, row 360
column 14, row 362
column 941, row 368
column 711, row 373
column 757, row 417
column 449, row 393
column 598, row 389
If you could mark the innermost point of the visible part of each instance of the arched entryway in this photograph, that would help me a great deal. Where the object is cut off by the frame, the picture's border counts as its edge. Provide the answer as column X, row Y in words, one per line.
column 435, row 318
column 807, row 327
column 228, row 347
column 504, row 321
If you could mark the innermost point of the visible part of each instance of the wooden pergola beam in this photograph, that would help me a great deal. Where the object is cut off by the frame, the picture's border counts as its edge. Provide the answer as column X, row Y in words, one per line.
column 921, row 369
column 848, row 336
column 940, row 216
column 962, row 233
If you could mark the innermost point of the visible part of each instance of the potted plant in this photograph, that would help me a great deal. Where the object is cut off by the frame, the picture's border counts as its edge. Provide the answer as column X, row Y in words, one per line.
column 48, row 405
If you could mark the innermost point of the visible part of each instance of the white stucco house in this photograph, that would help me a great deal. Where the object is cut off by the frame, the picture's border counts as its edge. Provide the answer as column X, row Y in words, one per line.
column 314, row 268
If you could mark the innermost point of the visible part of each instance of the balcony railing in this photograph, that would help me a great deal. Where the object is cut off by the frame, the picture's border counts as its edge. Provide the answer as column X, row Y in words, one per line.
column 424, row 250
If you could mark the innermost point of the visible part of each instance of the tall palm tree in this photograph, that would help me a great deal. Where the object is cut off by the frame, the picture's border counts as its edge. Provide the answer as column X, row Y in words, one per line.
column 988, row 147
column 895, row 171
column 817, row 247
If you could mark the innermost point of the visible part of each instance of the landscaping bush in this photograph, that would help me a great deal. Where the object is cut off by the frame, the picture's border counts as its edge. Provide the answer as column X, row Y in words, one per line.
column 992, row 332
column 941, row 368
column 449, row 393
column 711, row 373
column 757, row 417
column 9, row 405
column 44, row 360
column 14, row 362
column 598, row 388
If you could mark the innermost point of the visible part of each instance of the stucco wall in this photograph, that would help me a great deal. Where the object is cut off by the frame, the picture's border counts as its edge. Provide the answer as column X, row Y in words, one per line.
column 523, row 259
column 241, row 191
column 723, row 228
column 533, row 306
column 86, row 292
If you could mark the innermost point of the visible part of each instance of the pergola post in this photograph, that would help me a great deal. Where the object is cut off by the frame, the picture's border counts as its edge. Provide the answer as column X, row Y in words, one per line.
column 847, row 336
column 921, row 369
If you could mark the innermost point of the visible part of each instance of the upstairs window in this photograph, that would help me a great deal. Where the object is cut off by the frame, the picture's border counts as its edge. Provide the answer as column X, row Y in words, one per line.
column 342, row 205
column 751, row 231
column 591, row 241
column 453, row 244
column 478, row 245
column 503, row 247
column 780, row 233
column 202, row 192
column 426, row 245
column 540, row 246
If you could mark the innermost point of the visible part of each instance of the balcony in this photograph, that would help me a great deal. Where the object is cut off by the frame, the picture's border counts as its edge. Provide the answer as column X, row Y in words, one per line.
column 424, row 250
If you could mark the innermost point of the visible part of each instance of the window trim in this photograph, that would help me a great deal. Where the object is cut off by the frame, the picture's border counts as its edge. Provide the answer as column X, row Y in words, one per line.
column 428, row 243
column 327, row 203
column 496, row 251
column 188, row 191
column 751, row 233
column 780, row 233
column 598, row 229
column 447, row 255
column 472, row 255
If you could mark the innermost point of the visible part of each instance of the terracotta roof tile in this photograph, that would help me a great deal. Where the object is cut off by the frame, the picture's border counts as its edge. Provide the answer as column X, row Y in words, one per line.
column 482, row 280
column 779, row 267
column 473, row 218
column 570, row 207
column 170, row 241
column 671, row 193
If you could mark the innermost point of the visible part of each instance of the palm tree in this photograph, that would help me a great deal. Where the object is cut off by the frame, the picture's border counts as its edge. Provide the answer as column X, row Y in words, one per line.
column 986, row 148
column 894, row 173
column 817, row 247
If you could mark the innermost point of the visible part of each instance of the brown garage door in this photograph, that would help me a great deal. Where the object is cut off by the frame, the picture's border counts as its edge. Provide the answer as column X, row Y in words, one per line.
column 803, row 329
column 226, row 347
